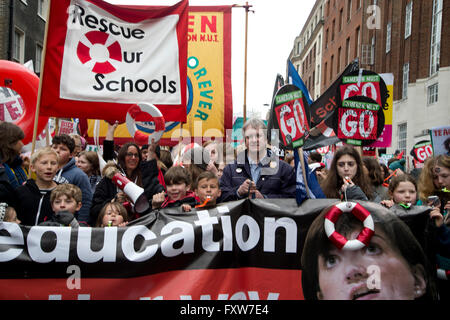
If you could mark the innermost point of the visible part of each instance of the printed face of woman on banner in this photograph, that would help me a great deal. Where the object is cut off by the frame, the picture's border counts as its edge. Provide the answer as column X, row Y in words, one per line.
column 392, row 266
column 376, row 272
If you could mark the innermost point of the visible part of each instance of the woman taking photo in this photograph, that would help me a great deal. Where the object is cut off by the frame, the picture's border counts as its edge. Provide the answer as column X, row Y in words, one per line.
column 346, row 179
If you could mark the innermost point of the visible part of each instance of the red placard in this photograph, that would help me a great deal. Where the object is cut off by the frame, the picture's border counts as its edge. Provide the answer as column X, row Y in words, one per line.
column 369, row 88
column 293, row 121
column 357, row 124
column 423, row 152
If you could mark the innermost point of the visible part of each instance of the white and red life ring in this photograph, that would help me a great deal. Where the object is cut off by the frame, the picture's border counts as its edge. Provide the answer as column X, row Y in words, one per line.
column 145, row 112
column 26, row 84
column 443, row 274
column 99, row 38
column 359, row 212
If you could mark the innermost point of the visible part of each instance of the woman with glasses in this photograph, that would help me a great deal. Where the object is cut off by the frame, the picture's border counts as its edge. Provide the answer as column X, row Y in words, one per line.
column 130, row 163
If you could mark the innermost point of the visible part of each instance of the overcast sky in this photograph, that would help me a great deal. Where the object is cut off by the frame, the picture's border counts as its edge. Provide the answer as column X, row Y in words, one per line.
column 272, row 29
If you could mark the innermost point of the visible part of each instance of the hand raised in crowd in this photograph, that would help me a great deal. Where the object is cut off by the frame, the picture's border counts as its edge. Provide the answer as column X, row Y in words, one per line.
column 322, row 174
column 387, row 203
column 254, row 192
column 212, row 167
column 244, row 188
column 347, row 183
column 158, row 200
column 111, row 129
column 186, row 207
column 121, row 197
column 436, row 216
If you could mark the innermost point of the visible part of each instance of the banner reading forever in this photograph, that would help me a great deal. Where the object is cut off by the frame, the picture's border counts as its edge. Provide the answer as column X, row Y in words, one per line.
column 246, row 249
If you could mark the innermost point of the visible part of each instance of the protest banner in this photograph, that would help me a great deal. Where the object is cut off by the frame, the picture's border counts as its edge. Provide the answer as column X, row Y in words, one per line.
column 247, row 249
column 100, row 59
column 209, row 107
column 440, row 139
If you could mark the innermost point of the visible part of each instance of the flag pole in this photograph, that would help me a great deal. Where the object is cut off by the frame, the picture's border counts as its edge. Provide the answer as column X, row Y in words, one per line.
column 38, row 105
column 302, row 163
column 247, row 7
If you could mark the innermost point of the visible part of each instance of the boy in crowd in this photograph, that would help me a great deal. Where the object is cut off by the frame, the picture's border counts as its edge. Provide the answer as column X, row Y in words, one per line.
column 33, row 197
column 207, row 189
column 68, row 172
column 66, row 202
column 178, row 182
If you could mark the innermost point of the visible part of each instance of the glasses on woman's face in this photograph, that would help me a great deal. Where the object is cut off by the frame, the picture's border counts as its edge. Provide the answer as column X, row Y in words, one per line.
column 132, row 155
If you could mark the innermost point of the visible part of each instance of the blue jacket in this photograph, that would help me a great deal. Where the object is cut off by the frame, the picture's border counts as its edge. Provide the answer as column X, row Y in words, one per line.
column 70, row 173
column 277, row 179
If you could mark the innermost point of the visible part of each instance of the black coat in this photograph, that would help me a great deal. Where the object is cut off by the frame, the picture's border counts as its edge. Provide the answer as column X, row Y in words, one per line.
column 277, row 179
column 33, row 207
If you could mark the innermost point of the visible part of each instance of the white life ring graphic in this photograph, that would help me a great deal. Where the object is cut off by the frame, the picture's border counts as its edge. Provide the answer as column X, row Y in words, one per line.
column 109, row 53
column 145, row 112
column 359, row 212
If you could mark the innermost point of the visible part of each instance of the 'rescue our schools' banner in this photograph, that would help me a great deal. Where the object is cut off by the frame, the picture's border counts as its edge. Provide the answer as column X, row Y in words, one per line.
column 209, row 93
column 248, row 250
column 100, row 59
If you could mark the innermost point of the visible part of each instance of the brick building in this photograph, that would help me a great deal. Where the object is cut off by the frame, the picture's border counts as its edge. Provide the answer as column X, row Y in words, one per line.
column 306, row 55
column 408, row 38
column 23, row 28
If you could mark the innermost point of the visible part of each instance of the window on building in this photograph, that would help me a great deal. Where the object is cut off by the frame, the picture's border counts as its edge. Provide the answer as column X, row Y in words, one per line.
column 326, row 38
column 433, row 93
column 37, row 65
column 357, row 43
column 347, row 51
column 408, row 19
column 318, row 74
column 349, row 9
column 338, row 62
column 331, row 67
column 402, row 137
column 341, row 19
column 405, row 81
column 319, row 44
column 42, row 9
column 18, row 46
column 333, row 28
column 388, row 37
column 436, row 36
column 325, row 70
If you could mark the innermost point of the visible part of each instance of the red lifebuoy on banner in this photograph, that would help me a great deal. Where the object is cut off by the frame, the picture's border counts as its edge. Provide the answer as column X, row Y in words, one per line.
column 114, row 52
column 18, row 78
column 359, row 212
column 145, row 112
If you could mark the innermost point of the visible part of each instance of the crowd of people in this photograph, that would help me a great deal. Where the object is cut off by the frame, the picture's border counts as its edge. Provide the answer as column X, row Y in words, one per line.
column 65, row 185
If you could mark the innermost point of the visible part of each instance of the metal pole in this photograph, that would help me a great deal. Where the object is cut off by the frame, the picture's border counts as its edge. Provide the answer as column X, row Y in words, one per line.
column 247, row 7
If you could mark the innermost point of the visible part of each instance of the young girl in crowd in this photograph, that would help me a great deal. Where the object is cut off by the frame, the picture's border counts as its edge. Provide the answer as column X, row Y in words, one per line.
column 402, row 192
column 8, row 214
column 112, row 214
column 346, row 179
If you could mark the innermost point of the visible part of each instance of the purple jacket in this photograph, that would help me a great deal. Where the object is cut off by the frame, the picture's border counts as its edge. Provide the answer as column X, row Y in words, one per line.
column 277, row 179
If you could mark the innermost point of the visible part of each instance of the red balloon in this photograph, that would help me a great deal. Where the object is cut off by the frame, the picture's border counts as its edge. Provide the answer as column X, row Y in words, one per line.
column 26, row 83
